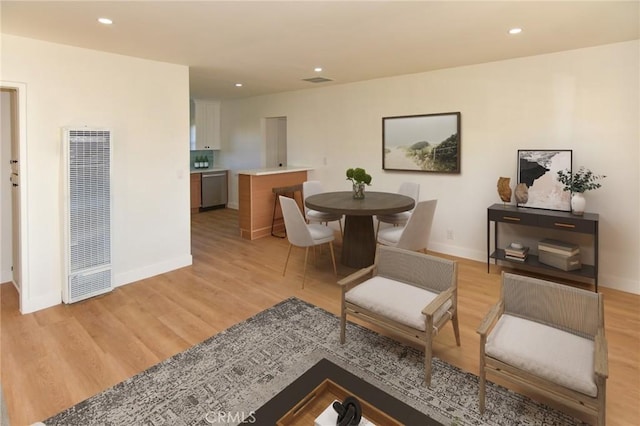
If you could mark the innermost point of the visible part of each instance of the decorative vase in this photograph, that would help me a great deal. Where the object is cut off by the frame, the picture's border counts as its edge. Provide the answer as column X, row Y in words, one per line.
column 578, row 203
column 358, row 191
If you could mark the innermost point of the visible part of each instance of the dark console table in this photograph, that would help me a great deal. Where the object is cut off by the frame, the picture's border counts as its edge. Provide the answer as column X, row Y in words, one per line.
column 561, row 221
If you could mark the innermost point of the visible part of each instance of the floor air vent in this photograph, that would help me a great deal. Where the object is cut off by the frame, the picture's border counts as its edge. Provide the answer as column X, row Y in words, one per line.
column 87, row 203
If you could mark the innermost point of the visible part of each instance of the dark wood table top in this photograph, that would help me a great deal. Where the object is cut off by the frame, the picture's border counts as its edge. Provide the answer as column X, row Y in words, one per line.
column 373, row 203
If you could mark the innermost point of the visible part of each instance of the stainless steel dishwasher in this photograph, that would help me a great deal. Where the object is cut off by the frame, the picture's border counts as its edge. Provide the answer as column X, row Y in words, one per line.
column 214, row 189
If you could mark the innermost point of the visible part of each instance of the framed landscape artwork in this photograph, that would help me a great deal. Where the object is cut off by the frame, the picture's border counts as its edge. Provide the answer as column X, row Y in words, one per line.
column 538, row 169
column 422, row 143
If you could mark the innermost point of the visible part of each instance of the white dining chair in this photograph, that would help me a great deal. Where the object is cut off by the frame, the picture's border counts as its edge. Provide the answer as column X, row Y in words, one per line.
column 415, row 234
column 313, row 187
column 410, row 189
column 301, row 234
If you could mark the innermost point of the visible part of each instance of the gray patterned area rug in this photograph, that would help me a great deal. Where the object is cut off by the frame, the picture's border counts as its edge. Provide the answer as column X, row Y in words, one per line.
column 240, row 369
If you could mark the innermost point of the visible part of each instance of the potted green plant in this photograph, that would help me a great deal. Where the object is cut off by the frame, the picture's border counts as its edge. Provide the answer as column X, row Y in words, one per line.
column 359, row 177
column 578, row 183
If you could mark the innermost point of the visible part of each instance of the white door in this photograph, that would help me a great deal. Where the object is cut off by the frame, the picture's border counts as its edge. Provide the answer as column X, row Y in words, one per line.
column 10, row 185
column 276, row 141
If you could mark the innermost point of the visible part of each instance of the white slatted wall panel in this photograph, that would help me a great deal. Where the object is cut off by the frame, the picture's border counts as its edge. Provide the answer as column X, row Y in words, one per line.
column 88, row 170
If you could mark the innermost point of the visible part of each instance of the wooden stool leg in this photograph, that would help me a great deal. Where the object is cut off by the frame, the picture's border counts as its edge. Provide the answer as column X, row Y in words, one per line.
column 273, row 218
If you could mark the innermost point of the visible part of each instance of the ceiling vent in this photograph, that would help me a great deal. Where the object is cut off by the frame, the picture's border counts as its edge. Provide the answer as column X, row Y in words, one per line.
column 317, row 79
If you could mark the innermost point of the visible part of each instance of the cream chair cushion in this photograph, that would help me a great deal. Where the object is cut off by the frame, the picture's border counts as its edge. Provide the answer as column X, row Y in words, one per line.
column 320, row 232
column 547, row 352
column 390, row 236
column 395, row 300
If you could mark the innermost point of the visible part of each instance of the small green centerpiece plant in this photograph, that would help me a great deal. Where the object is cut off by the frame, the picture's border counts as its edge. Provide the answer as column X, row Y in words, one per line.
column 359, row 177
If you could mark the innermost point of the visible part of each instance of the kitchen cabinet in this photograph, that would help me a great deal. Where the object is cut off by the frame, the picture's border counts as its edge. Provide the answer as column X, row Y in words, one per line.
column 196, row 192
column 206, row 122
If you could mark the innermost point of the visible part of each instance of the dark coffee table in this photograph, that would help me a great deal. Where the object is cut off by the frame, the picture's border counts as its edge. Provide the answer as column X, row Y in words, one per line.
column 295, row 404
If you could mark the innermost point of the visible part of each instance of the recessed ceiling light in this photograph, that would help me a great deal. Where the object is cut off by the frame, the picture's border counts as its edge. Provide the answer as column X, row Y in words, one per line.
column 515, row 30
column 105, row 21
column 238, row 84
column 318, row 69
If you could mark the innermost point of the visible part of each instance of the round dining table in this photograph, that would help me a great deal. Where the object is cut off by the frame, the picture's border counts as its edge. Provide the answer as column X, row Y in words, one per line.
column 359, row 241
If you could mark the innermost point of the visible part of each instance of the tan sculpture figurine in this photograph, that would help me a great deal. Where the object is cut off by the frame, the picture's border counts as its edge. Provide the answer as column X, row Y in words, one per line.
column 504, row 190
column 522, row 193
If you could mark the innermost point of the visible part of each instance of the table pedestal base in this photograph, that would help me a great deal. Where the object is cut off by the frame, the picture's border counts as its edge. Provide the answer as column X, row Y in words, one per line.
column 359, row 242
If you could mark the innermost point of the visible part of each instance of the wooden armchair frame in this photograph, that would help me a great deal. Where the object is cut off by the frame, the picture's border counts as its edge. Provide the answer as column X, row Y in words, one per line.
column 562, row 307
column 430, row 273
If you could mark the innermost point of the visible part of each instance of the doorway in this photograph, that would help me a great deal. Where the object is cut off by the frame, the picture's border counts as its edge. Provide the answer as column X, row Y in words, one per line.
column 276, row 141
column 12, row 192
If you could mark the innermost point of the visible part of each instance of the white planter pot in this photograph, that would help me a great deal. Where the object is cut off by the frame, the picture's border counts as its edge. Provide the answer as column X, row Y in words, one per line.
column 578, row 203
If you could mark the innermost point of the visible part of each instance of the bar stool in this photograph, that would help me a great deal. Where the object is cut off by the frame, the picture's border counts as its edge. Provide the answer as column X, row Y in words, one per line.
column 285, row 191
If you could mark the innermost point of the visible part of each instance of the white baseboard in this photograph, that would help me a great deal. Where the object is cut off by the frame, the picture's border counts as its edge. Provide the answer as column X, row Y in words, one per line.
column 458, row 251
column 42, row 301
column 152, row 270
column 55, row 298
column 233, row 206
column 6, row 276
column 619, row 283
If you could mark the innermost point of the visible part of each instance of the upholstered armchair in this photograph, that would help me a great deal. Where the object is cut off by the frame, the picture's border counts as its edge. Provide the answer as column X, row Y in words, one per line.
column 550, row 338
column 408, row 293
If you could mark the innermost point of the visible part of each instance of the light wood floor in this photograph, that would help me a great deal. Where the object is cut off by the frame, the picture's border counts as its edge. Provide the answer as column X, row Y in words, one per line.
column 57, row 357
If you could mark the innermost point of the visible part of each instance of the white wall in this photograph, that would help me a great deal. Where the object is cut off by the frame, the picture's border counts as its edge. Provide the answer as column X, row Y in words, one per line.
column 585, row 100
column 146, row 106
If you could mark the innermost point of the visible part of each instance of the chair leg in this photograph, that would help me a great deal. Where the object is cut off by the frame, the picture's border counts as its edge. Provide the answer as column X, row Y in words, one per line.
column 483, row 380
column 428, row 349
column 333, row 258
column 340, row 224
column 602, row 404
column 287, row 261
column 428, row 354
column 377, row 230
column 304, row 271
column 456, row 328
column 343, row 318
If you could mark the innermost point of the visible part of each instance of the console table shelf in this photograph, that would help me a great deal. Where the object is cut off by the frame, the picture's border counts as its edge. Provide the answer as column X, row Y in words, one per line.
column 560, row 221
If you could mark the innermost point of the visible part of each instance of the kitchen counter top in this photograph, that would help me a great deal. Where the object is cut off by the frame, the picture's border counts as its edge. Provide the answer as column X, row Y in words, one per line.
column 274, row 170
column 210, row 169
column 257, row 209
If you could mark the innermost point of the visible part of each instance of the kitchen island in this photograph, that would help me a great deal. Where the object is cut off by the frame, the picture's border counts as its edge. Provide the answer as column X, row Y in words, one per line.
column 256, row 198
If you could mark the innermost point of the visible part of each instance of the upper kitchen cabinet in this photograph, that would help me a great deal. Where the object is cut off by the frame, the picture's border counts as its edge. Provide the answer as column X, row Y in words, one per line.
column 205, row 124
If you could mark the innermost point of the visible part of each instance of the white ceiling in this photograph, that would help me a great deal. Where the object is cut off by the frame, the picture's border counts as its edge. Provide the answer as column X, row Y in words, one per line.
column 270, row 46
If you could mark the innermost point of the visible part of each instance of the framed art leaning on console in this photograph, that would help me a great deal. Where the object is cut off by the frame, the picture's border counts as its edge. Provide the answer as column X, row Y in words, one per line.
column 538, row 170
column 422, row 143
